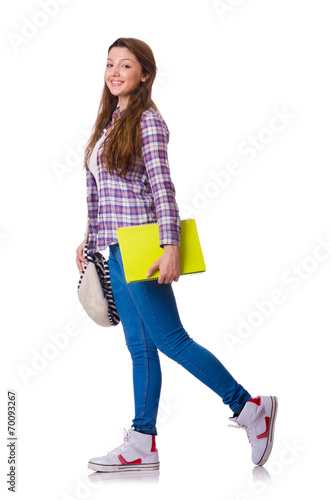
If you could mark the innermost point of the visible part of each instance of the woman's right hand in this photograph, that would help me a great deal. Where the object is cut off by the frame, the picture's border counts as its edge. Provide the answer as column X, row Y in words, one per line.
column 79, row 257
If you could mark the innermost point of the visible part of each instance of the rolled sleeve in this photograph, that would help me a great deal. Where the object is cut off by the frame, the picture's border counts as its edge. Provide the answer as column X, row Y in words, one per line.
column 155, row 138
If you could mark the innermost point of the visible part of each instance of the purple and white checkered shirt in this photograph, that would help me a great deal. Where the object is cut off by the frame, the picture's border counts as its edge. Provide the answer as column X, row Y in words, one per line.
column 146, row 194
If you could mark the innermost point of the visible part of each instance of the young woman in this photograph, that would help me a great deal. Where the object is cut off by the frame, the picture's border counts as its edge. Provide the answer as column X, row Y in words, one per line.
column 129, row 183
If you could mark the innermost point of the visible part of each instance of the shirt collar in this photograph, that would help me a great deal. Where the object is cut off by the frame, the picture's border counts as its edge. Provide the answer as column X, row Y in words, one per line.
column 116, row 110
column 113, row 116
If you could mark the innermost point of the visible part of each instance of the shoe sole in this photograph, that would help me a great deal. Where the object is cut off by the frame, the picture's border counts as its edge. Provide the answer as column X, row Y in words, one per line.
column 271, row 433
column 123, row 468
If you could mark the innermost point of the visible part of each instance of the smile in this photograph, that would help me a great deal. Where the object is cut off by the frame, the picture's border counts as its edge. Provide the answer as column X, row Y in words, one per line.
column 116, row 83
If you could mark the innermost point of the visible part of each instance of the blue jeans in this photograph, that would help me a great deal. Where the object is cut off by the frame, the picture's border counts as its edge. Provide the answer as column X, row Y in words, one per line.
column 150, row 321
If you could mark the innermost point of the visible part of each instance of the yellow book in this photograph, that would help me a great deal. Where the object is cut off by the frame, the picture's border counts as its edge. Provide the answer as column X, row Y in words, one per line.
column 140, row 248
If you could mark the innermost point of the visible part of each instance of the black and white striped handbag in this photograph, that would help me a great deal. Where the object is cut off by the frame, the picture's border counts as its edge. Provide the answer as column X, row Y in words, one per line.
column 94, row 289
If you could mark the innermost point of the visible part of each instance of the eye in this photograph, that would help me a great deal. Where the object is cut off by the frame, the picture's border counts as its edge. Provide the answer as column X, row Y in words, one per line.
column 109, row 65
column 126, row 66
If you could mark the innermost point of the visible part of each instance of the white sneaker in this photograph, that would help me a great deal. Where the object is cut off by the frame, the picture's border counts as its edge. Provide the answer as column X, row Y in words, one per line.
column 258, row 419
column 138, row 452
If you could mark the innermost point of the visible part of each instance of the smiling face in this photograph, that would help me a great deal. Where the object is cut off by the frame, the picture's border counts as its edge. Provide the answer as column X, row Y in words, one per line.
column 123, row 74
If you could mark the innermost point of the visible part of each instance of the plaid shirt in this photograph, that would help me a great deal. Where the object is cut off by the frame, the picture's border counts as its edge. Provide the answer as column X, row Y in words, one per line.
column 145, row 195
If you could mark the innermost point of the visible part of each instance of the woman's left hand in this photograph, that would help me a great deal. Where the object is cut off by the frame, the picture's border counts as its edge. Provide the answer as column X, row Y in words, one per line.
column 169, row 265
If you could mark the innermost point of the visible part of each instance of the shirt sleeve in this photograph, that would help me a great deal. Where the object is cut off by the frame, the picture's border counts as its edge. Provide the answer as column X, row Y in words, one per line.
column 155, row 138
column 92, row 210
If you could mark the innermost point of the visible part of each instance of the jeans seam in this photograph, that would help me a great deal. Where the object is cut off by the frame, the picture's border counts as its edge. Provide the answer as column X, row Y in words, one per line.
column 146, row 367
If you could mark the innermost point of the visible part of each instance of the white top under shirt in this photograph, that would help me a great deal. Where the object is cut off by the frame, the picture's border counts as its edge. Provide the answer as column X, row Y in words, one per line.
column 92, row 165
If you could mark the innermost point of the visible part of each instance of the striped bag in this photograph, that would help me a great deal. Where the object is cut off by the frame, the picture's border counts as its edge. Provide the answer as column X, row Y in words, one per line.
column 94, row 289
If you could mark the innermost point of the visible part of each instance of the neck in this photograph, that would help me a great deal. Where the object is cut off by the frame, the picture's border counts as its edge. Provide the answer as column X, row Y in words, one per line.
column 123, row 103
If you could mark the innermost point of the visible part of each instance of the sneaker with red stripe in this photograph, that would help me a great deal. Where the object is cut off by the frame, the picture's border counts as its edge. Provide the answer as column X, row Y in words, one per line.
column 138, row 452
column 258, row 419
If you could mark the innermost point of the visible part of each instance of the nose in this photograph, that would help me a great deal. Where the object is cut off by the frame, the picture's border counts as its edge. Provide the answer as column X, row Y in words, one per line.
column 115, row 70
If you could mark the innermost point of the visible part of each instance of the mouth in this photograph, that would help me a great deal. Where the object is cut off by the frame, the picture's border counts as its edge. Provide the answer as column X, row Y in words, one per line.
column 116, row 83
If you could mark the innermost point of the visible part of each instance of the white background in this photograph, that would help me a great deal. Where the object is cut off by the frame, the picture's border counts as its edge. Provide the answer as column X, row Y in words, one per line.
column 223, row 70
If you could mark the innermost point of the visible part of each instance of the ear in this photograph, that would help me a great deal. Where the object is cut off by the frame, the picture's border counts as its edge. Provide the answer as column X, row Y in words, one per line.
column 144, row 78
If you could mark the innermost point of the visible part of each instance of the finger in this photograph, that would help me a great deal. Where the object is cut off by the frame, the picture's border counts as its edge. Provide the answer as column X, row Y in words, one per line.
column 81, row 257
column 79, row 264
column 151, row 270
column 81, row 269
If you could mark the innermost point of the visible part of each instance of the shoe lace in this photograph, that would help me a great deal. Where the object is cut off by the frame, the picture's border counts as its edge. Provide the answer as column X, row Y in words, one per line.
column 125, row 434
column 248, row 430
column 124, row 445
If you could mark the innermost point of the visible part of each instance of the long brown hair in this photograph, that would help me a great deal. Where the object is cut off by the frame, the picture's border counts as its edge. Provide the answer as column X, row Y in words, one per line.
column 123, row 143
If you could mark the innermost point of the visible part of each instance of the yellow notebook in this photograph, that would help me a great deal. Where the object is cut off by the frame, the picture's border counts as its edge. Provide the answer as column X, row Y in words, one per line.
column 140, row 249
